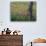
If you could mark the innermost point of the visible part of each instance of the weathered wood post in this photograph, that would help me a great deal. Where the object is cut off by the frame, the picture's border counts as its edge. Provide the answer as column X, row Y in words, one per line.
column 30, row 10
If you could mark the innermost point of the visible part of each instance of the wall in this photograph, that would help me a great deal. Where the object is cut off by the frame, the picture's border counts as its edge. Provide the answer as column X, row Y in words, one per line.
column 30, row 30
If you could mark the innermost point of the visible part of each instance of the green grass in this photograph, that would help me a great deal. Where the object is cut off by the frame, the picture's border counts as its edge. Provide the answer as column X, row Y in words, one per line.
column 20, row 18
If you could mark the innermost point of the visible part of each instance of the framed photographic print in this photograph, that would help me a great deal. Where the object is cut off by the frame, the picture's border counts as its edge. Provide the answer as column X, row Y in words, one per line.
column 23, row 11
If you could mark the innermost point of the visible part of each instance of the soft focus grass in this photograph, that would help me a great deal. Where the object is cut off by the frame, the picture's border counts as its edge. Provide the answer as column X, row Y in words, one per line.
column 20, row 18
